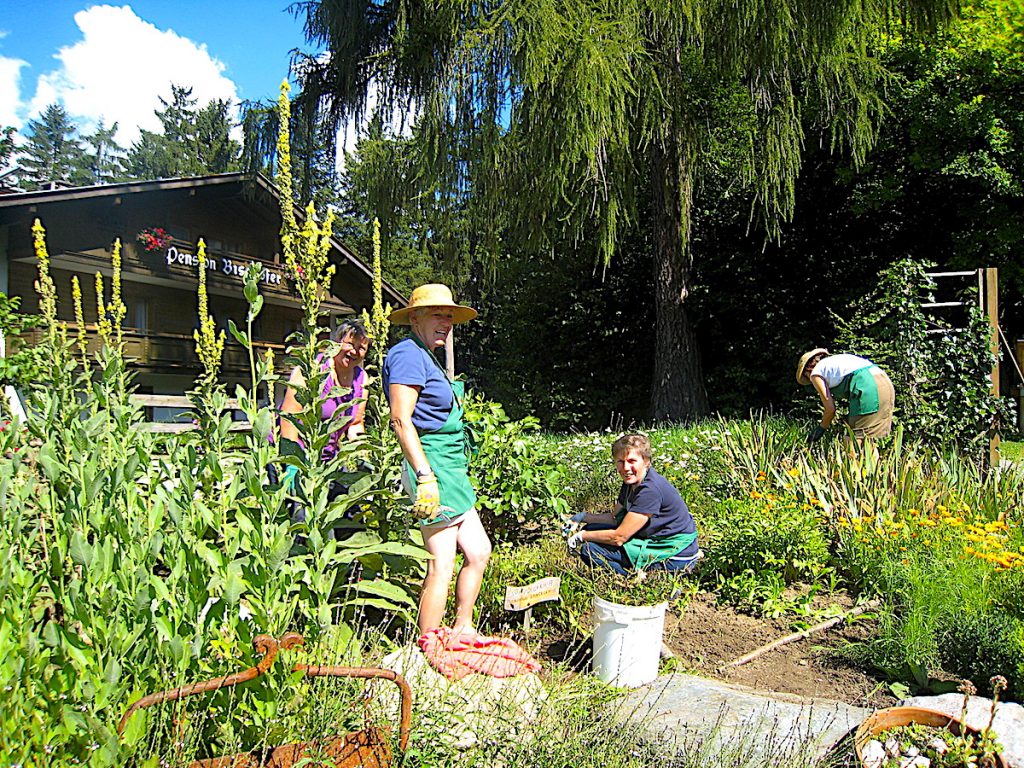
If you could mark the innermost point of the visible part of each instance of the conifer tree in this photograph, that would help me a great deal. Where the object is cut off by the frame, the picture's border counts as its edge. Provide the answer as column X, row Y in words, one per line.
column 193, row 141
column 104, row 155
column 6, row 145
column 53, row 152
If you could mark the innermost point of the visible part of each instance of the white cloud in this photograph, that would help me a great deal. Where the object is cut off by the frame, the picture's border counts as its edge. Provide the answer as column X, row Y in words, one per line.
column 10, row 70
column 120, row 69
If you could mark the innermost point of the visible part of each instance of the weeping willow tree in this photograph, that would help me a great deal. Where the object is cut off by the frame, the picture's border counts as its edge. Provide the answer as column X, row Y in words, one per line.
column 571, row 118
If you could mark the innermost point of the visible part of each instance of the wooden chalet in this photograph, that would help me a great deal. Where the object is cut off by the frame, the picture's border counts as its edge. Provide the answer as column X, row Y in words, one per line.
column 238, row 216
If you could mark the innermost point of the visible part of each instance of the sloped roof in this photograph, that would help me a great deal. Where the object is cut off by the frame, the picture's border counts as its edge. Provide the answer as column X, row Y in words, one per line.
column 350, row 269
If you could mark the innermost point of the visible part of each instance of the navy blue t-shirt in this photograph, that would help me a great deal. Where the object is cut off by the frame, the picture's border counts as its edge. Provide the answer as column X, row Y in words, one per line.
column 657, row 498
column 409, row 363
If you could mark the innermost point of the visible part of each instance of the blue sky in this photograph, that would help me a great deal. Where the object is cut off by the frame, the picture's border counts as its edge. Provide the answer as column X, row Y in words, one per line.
column 113, row 61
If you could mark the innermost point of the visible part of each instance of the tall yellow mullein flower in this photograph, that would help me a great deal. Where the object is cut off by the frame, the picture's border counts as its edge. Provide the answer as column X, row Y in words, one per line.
column 117, row 308
column 306, row 251
column 283, row 179
column 47, row 290
column 103, row 326
column 76, row 297
column 209, row 346
column 377, row 321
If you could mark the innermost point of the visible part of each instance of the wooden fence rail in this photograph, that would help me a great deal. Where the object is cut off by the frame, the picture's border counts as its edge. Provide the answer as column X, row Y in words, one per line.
column 184, row 405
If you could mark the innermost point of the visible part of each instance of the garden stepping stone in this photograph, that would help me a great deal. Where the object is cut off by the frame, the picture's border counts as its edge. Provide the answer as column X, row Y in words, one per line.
column 475, row 709
column 1008, row 725
column 692, row 716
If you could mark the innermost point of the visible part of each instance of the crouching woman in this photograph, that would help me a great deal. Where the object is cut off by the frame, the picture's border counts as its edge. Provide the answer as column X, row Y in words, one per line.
column 650, row 527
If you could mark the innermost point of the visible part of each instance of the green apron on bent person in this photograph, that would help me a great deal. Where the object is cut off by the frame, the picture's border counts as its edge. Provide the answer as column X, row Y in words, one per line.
column 445, row 449
column 861, row 390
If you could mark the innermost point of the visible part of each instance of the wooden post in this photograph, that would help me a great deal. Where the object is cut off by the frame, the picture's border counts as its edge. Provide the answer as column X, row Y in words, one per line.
column 449, row 354
column 1019, row 351
column 991, row 277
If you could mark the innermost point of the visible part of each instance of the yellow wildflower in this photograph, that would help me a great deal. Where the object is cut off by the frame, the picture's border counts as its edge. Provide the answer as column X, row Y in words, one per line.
column 76, row 298
column 102, row 319
column 209, row 346
column 117, row 308
column 44, row 285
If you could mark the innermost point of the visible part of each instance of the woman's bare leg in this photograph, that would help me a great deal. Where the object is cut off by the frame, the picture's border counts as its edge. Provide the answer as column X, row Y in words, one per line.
column 476, row 551
column 441, row 543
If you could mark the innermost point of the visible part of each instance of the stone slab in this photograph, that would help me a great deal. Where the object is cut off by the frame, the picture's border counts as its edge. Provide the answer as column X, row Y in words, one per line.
column 692, row 716
column 469, row 711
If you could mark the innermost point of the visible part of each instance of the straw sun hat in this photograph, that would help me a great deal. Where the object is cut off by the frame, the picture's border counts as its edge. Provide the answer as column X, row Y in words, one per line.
column 802, row 378
column 432, row 295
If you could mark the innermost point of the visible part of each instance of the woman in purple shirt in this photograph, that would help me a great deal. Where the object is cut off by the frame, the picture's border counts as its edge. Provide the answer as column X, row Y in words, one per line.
column 344, row 371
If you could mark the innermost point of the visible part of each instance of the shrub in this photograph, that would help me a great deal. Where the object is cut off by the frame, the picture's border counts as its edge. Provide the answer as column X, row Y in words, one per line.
column 766, row 533
column 516, row 480
column 23, row 364
column 979, row 644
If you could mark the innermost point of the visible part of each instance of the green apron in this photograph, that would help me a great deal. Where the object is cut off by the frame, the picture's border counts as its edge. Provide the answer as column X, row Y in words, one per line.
column 644, row 552
column 445, row 449
column 860, row 389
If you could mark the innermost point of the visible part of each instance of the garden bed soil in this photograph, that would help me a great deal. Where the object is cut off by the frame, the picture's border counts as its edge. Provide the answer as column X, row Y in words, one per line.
column 708, row 635
column 705, row 636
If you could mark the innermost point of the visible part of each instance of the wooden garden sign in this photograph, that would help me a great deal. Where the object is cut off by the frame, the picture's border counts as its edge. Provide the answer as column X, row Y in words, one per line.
column 524, row 598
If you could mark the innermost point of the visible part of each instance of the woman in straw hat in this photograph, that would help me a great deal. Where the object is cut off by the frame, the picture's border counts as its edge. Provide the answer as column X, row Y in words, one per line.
column 857, row 379
column 426, row 414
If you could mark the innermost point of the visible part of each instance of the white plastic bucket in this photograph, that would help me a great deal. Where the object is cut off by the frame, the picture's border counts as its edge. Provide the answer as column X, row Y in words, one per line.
column 627, row 642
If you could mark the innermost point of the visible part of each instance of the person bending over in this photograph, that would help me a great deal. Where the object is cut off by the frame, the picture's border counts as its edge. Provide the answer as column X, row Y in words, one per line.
column 857, row 379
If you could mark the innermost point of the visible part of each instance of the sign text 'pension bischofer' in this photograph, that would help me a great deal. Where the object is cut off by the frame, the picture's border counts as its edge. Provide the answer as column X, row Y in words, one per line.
column 223, row 265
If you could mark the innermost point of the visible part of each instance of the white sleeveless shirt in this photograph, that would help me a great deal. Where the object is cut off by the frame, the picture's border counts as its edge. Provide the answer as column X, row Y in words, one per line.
column 834, row 368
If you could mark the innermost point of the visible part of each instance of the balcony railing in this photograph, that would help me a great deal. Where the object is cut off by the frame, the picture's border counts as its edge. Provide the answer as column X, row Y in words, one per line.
column 169, row 351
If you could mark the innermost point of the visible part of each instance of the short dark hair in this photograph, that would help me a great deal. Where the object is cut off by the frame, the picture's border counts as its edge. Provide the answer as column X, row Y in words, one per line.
column 353, row 325
column 632, row 441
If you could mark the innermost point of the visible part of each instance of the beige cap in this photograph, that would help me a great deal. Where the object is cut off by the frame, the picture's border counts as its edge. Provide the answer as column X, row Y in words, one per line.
column 801, row 377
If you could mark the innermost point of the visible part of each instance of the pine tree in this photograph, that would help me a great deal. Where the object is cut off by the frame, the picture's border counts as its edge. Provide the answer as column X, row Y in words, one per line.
column 53, row 152
column 216, row 151
column 193, row 141
column 6, row 145
column 105, row 156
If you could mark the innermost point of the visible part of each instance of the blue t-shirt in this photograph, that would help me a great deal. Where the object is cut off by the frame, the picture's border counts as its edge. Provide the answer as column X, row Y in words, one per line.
column 409, row 363
column 657, row 498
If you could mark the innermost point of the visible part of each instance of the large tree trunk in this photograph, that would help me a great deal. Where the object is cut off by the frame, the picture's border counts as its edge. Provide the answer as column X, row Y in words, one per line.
column 678, row 391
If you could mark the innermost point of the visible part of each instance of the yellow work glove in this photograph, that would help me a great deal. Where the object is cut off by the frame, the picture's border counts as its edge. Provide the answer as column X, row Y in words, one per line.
column 428, row 497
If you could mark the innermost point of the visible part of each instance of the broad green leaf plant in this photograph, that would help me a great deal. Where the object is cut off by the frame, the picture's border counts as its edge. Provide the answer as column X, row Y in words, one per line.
column 137, row 562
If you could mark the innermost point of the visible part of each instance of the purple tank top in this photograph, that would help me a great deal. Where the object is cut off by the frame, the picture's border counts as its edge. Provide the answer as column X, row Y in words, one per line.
column 332, row 404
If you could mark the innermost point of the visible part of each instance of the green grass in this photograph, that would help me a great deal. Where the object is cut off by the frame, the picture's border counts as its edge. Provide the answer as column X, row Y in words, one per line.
column 1013, row 450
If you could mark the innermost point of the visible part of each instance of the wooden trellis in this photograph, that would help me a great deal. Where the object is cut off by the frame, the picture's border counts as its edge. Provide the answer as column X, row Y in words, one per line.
column 988, row 303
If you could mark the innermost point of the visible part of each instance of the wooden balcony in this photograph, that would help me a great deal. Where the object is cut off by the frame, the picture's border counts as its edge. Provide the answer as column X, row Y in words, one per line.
column 167, row 352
